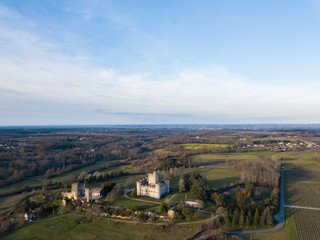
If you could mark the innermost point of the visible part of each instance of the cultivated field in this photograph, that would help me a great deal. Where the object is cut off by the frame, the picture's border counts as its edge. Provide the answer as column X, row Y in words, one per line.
column 304, row 188
column 307, row 224
column 304, row 191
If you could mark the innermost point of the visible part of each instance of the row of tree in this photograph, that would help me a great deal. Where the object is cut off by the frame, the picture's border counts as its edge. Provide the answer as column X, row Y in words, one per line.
column 241, row 219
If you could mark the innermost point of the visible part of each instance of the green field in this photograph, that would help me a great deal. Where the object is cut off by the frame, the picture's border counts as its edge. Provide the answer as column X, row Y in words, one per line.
column 125, row 202
column 7, row 204
column 290, row 160
column 219, row 177
column 202, row 145
column 67, row 228
column 20, row 185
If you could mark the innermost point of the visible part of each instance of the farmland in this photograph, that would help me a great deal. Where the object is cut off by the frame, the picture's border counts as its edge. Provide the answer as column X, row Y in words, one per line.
column 215, row 156
column 307, row 224
column 304, row 188
column 303, row 191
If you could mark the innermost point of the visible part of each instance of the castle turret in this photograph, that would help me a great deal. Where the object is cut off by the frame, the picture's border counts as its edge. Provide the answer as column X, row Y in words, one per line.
column 157, row 191
column 138, row 188
column 88, row 194
column 75, row 190
column 167, row 182
column 153, row 177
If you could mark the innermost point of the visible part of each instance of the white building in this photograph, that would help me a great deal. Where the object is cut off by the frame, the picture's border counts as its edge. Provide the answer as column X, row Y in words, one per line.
column 191, row 203
column 152, row 187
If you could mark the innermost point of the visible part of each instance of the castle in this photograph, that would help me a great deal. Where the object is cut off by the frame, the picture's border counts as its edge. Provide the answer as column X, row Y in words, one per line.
column 78, row 191
column 152, row 187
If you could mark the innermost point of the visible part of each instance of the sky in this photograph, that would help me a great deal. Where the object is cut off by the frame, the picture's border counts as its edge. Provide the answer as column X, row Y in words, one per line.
column 159, row 62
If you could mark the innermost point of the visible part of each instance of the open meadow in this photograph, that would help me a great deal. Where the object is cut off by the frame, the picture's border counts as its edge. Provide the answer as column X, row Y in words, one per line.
column 77, row 227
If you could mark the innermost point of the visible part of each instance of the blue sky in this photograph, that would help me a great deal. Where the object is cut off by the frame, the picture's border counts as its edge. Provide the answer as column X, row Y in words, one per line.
column 140, row 62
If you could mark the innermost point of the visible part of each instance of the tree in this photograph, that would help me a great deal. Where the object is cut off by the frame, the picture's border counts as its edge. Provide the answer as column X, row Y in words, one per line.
column 163, row 208
column 187, row 212
column 217, row 199
column 200, row 204
column 239, row 197
column 106, row 188
column 249, row 215
column 241, row 219
column 234, row 221
column 227, row 220
column 269, row 218
column 249, row 189
column 133, row 193
column 263, row 218
column 256, row 218
column 235, row 218
column 198, row 189
column 247, row 222
column 115, row 192
column 182, row 185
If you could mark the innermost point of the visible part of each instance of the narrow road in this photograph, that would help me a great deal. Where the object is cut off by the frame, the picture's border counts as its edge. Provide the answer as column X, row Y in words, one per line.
column 308, row 208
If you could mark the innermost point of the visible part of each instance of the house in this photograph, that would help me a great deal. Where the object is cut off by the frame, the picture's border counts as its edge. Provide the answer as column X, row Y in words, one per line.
column 152, row 187
column 172, row 212
column 191, row 203
column 30, row 215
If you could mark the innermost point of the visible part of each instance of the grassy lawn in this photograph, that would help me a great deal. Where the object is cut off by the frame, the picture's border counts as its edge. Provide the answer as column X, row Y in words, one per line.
column 67, row 228
column 125, row 202
column 219, row 177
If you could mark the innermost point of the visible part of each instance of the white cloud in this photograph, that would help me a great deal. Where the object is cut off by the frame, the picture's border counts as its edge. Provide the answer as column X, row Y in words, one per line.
column 33, row 69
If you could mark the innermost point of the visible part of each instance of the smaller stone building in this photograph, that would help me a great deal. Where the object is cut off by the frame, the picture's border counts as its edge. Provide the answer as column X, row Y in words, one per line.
column 172, row 212
column 30, row 215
